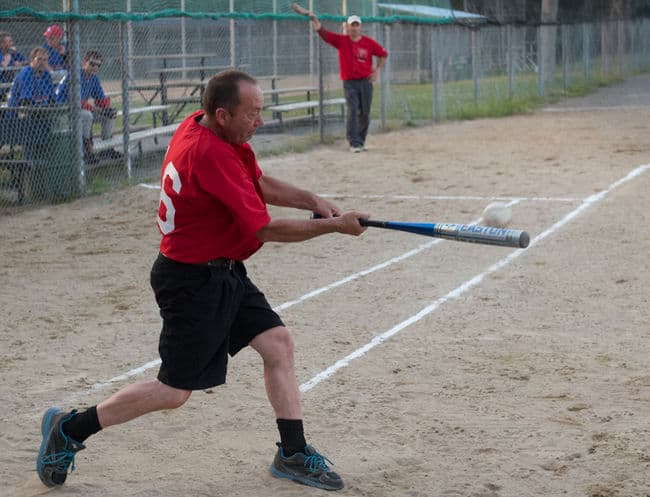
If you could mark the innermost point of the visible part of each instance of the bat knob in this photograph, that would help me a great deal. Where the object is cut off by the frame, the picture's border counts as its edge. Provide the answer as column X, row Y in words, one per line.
column 524, row 239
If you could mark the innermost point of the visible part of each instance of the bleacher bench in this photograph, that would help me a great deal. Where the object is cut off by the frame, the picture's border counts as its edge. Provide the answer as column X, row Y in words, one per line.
column 309, row 105
column 275, row 93
column 136, row 137
column 154, row 109
column 142, row 110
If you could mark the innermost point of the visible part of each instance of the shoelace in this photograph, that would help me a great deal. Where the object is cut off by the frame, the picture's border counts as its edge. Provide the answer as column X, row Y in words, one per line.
column 316, row 462
column 61, row 460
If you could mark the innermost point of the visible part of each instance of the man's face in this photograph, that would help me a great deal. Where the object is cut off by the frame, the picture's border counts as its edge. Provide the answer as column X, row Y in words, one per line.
column 241, row 124
column 6, row 43
column 354, row 29
column 91, row 66
column 39, row 62
column 53, row 40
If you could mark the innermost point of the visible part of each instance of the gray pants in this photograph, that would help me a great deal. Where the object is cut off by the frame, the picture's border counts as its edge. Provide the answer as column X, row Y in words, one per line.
column 87, row 119
column 358, row 98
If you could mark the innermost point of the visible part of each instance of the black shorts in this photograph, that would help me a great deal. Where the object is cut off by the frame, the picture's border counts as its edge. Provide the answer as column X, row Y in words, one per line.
column 208, row 312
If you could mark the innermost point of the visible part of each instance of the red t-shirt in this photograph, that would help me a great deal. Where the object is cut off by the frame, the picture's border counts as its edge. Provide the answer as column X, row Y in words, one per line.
column 355, row 57
column 211, row 202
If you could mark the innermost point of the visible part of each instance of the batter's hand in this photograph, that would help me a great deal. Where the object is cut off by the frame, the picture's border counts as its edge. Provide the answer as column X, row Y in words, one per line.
column 349, row 222
column 325, row 208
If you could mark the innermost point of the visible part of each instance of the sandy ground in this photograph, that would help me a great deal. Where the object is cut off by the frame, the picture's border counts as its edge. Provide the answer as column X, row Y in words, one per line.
column 507, row 373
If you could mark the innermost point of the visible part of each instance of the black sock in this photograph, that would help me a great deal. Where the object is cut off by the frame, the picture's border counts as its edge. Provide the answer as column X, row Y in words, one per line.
column 292, row 436
column 82, row 425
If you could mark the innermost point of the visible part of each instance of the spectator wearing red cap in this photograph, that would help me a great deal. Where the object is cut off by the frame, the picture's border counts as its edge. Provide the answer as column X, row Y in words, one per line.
column 57, row 63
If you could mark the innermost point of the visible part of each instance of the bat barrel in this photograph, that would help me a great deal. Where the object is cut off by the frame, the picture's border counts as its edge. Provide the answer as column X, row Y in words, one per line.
column 483, row 234
column 458, row 232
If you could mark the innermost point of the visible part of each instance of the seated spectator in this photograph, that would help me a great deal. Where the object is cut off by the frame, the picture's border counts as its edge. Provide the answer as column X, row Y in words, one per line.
column 99, row 110
column 9, row 58
column 32, row 87
column 33, row 84
column 57, row 63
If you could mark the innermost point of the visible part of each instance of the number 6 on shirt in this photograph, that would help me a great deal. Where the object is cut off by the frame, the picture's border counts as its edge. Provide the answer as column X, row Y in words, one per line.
column 167, row 226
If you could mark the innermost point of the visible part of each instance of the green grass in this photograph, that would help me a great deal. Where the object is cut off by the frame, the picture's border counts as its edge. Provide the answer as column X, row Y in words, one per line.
column 413, row 103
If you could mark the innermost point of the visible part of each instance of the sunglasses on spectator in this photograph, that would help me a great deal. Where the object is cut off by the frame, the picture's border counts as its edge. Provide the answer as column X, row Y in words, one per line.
column 95, row 64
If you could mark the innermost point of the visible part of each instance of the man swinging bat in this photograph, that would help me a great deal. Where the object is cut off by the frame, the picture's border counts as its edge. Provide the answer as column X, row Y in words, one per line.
column 212, row 217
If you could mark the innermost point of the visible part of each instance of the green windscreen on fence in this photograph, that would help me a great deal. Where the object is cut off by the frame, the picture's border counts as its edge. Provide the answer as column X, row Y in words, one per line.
column 427, row 11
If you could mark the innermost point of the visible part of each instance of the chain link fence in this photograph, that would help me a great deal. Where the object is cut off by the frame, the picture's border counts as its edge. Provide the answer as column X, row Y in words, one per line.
column 153, row 72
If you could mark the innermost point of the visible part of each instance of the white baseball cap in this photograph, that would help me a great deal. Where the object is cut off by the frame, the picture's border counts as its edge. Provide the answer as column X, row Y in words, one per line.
column 353, row 19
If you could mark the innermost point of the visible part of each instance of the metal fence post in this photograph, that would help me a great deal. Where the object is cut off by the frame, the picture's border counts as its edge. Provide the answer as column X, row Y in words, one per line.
column 540, row 63
column 321, row 90
column 510, row 62
column 124, row 70
column 434, row 73
column 74, row 99
column 384, row 79
column 565, row 56
column 585, row 51
column 475, row 62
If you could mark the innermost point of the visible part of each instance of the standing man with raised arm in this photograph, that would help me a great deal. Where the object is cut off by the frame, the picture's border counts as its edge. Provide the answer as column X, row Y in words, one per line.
column 356, row 52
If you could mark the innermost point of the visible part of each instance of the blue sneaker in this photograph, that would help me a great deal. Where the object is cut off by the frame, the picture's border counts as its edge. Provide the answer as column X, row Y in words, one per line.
column 309, row 468
column 57, row 450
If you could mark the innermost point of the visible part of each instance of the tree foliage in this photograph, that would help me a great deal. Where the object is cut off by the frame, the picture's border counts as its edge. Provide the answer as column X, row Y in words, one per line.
column 530, row 11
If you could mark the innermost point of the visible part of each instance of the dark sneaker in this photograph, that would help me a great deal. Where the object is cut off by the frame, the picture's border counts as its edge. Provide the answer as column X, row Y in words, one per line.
column 110, row 154
column 57, row 450
column 114, row 154
column 91, row 158
column 309, row 468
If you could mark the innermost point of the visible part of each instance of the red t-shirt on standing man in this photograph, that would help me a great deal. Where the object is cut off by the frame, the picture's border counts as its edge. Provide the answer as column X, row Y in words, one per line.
column 355, row 57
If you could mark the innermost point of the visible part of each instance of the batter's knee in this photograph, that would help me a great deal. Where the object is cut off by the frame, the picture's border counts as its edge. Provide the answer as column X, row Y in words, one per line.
column 275, row 346
column 173, row 398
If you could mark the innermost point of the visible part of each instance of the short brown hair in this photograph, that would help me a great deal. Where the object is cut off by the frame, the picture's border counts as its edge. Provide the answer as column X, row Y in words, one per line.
column 223, row 90
column 92, row 54
column 38, row 50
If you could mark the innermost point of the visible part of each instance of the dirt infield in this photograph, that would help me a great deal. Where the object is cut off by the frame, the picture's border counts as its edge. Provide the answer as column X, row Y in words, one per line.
column 467, row 371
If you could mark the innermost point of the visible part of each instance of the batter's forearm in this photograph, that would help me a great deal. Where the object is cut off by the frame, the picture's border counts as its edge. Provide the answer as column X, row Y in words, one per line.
column 298, row 230
column 283, row 194
column 295, row 230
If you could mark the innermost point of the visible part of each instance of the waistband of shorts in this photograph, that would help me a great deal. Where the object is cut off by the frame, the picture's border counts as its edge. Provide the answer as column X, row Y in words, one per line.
column 220, row 262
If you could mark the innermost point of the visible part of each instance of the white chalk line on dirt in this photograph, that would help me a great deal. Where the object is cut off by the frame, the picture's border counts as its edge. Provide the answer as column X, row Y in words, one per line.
column 379, row 339
column 596, row 108
column 464, row 287
column 151, row 186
